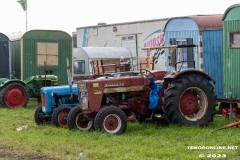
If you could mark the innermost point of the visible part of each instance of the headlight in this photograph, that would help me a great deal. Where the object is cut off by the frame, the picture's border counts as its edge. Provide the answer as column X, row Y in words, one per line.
column 83, row 100
column 53, row 94
column 82, row 87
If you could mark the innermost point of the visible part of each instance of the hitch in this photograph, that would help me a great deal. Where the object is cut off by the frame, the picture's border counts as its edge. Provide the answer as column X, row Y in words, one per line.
column 236, row 123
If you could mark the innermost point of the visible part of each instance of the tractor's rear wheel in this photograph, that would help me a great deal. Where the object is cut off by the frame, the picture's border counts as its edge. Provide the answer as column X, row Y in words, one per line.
column 111, row 119
column 60, row 115
column 14, row 95
column 190, row 100
column 39, row 116
column 78, row 120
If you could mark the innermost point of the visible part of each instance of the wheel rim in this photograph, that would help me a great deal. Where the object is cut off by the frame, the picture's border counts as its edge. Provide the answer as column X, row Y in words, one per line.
column 15, row 97
column 83, row 123
column 112, row 123
column 62, row 118
column 193, row 104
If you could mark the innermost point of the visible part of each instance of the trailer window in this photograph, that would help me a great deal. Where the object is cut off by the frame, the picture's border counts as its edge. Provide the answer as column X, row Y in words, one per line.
column 79, row 67
column 234, row 38
column 47, row 52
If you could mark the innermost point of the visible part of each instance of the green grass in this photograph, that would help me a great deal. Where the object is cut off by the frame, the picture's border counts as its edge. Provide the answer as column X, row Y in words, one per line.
column 140, row 141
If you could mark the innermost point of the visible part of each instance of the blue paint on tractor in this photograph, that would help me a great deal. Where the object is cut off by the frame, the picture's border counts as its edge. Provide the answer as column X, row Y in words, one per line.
column 57, row 96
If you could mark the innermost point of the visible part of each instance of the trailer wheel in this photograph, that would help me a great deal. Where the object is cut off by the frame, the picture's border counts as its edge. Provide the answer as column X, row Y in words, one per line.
column 190, row 100
column 60, row 115
column 77, row 119
column 14, row 95
column 40, row 118
column 111, row 119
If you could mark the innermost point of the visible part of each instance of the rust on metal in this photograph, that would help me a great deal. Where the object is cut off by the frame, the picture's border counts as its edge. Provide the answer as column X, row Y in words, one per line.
column 208, row 21
column 123, row 89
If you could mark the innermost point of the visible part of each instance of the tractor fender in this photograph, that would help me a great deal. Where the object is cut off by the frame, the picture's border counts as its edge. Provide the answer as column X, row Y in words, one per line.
column 12, row 81
column 174, row 75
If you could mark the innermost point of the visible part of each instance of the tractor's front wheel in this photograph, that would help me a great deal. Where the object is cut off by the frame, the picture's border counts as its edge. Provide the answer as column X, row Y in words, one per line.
column 77, row 119
column 14, row 95
column 111, row 119
column 190, row 100
column 40, row 118
column 60, row 115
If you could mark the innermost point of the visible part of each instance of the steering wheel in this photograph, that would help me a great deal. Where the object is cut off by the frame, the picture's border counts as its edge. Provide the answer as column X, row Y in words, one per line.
column 147, row 73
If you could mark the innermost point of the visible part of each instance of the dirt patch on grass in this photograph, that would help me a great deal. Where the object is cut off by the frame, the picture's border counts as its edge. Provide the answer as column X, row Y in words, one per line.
column 7, row 153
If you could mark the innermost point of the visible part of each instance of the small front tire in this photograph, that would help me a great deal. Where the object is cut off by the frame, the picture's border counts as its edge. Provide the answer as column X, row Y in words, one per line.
column 60, row 115
column 78, row 120
column 40, row 118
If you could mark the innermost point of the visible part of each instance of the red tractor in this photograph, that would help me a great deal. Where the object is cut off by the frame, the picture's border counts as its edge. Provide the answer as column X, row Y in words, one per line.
column 185, row 97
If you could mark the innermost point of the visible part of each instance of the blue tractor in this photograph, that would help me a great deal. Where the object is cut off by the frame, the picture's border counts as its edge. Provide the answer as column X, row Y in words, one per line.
column 56, row 103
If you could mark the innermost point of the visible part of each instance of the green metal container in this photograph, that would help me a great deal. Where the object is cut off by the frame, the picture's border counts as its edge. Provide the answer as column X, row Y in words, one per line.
column 231, row 51
column 37, row 52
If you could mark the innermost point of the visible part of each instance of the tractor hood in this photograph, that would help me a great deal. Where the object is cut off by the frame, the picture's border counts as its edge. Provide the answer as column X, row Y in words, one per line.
column 60, row 90
column 40, row 78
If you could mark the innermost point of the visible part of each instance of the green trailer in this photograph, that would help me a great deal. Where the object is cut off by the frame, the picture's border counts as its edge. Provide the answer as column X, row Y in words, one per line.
column 38, row 59
column 231, row 51
column 231, row 58
column 39, row 52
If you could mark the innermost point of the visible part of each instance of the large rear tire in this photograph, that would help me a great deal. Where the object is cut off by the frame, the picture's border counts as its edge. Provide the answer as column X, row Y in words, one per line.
column 78, row 120
column 190, row 100
column 60, row 115
column 111, row 119
column 14, row 95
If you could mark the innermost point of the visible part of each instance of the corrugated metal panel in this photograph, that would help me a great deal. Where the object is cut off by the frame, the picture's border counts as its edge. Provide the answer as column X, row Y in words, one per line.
column 231, row 58
column 213, row 56
column 4, row 56
column 208, row 21
column 29, row 66
column 179, row 35
column 15, row 58
column 3, row 37
column 231, row 16
column 180, row 28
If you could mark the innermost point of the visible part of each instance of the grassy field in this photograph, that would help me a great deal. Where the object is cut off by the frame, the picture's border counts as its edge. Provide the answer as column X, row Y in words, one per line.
column 140, row 141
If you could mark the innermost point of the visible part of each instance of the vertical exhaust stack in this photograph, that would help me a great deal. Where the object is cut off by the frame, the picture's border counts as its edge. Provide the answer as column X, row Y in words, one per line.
column 69, row 79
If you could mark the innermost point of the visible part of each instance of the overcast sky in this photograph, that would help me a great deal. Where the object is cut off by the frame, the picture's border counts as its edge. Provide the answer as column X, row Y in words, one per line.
column 67, row 15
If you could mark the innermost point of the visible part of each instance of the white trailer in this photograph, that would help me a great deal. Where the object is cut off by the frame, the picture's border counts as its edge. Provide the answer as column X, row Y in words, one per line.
column 132, row 35
column 98, row 61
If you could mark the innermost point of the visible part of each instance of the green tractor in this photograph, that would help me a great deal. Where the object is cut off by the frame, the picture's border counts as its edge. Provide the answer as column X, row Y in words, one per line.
column 15, row 93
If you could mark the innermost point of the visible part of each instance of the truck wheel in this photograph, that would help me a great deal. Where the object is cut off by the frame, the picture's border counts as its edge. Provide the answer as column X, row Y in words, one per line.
column 14, row 95
column 111, row 119
column 190, row 100
column 77, row 119
column 60, row 115
column 40, row 118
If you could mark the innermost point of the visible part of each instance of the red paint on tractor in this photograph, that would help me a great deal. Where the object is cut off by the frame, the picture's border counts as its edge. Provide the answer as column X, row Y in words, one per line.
column 15, row 97
column 188, row 103
column 111, row 123
column 63, row 118
column 82, row 121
